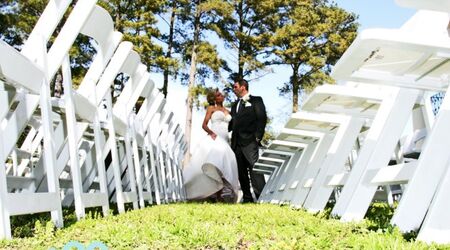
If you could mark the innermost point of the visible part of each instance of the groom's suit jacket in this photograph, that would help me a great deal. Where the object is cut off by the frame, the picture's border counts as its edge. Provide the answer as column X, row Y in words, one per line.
column 249, row 123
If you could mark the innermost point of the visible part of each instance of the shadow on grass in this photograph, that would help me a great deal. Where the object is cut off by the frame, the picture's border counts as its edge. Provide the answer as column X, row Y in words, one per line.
column 24, row 226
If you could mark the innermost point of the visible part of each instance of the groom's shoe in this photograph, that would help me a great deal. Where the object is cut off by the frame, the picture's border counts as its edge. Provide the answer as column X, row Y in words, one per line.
column 247, row 201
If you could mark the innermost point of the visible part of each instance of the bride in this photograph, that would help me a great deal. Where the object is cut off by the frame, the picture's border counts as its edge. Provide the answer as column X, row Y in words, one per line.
column 212, row 171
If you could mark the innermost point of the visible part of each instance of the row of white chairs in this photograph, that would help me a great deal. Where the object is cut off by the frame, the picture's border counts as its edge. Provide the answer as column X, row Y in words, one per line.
column 346, row 147
column 83, row 149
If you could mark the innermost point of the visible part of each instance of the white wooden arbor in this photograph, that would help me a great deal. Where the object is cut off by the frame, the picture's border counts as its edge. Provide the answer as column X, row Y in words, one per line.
column 413, row 57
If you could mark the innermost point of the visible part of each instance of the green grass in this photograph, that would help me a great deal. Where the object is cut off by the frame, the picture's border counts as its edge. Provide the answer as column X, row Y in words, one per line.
column 217, row 226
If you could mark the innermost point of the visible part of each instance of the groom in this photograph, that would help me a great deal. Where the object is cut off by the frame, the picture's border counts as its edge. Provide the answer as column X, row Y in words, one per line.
column 248, row 123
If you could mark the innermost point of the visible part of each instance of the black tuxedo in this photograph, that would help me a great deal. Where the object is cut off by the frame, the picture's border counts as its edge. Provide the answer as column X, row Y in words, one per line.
column 248, row 125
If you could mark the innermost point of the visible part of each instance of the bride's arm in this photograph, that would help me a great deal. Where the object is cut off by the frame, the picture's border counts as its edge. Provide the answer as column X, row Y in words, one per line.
column 205, row 127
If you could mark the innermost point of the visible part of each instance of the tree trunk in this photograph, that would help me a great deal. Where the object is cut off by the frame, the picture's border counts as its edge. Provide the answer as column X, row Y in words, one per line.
column 58, row 90
column 169, row 48
column 240, row 46
column 117, row 23
column 295, row 89
column 192, row 73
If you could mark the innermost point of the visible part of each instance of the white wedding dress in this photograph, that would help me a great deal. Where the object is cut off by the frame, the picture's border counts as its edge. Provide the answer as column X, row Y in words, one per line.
column 213, row 165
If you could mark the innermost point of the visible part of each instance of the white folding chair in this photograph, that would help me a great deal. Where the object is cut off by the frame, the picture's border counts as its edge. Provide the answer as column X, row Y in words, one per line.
column 82, row 18
column 379, row 56
column 295, row 150
column 34, row 50
column 12, row 68
column 151, row 107
column 392, row 108
column 309, row 183
column 437, row 5
column 269, row 169
column 291, row 173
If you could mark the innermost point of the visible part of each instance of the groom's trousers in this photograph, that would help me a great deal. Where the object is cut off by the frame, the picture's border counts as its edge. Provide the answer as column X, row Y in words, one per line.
column 246, row 157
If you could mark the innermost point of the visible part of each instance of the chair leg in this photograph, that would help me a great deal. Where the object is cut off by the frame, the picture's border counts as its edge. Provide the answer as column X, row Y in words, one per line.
column 376, row 151
column 5, row 223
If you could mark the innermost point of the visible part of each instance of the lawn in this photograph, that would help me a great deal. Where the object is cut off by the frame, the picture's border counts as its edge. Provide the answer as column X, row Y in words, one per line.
column 216, row 226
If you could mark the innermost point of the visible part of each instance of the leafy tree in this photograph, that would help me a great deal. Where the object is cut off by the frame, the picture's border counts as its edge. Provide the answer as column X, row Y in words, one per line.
column 310, row 37
column 269, row 134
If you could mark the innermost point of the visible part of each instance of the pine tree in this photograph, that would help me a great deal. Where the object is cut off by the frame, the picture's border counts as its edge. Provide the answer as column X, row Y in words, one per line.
column 310, row 37
column 245, row 32
column 174, row 36
column 136, row 19
column 17, row 20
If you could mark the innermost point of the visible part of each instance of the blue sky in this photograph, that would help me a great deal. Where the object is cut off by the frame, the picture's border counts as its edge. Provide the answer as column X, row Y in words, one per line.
column 377, row 13
column 372, row 14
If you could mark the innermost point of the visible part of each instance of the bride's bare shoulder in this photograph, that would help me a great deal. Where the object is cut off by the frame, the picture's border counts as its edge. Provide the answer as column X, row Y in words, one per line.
column 210, row 109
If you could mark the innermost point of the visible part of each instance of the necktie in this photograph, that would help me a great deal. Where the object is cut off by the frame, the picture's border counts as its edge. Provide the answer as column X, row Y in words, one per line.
column 241, row 105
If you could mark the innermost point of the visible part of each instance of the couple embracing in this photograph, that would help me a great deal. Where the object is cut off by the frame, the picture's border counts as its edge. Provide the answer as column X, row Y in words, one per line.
column 218, row 167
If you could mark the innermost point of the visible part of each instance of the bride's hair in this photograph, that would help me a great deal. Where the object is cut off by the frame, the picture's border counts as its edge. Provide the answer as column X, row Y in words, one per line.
column 211, row 97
